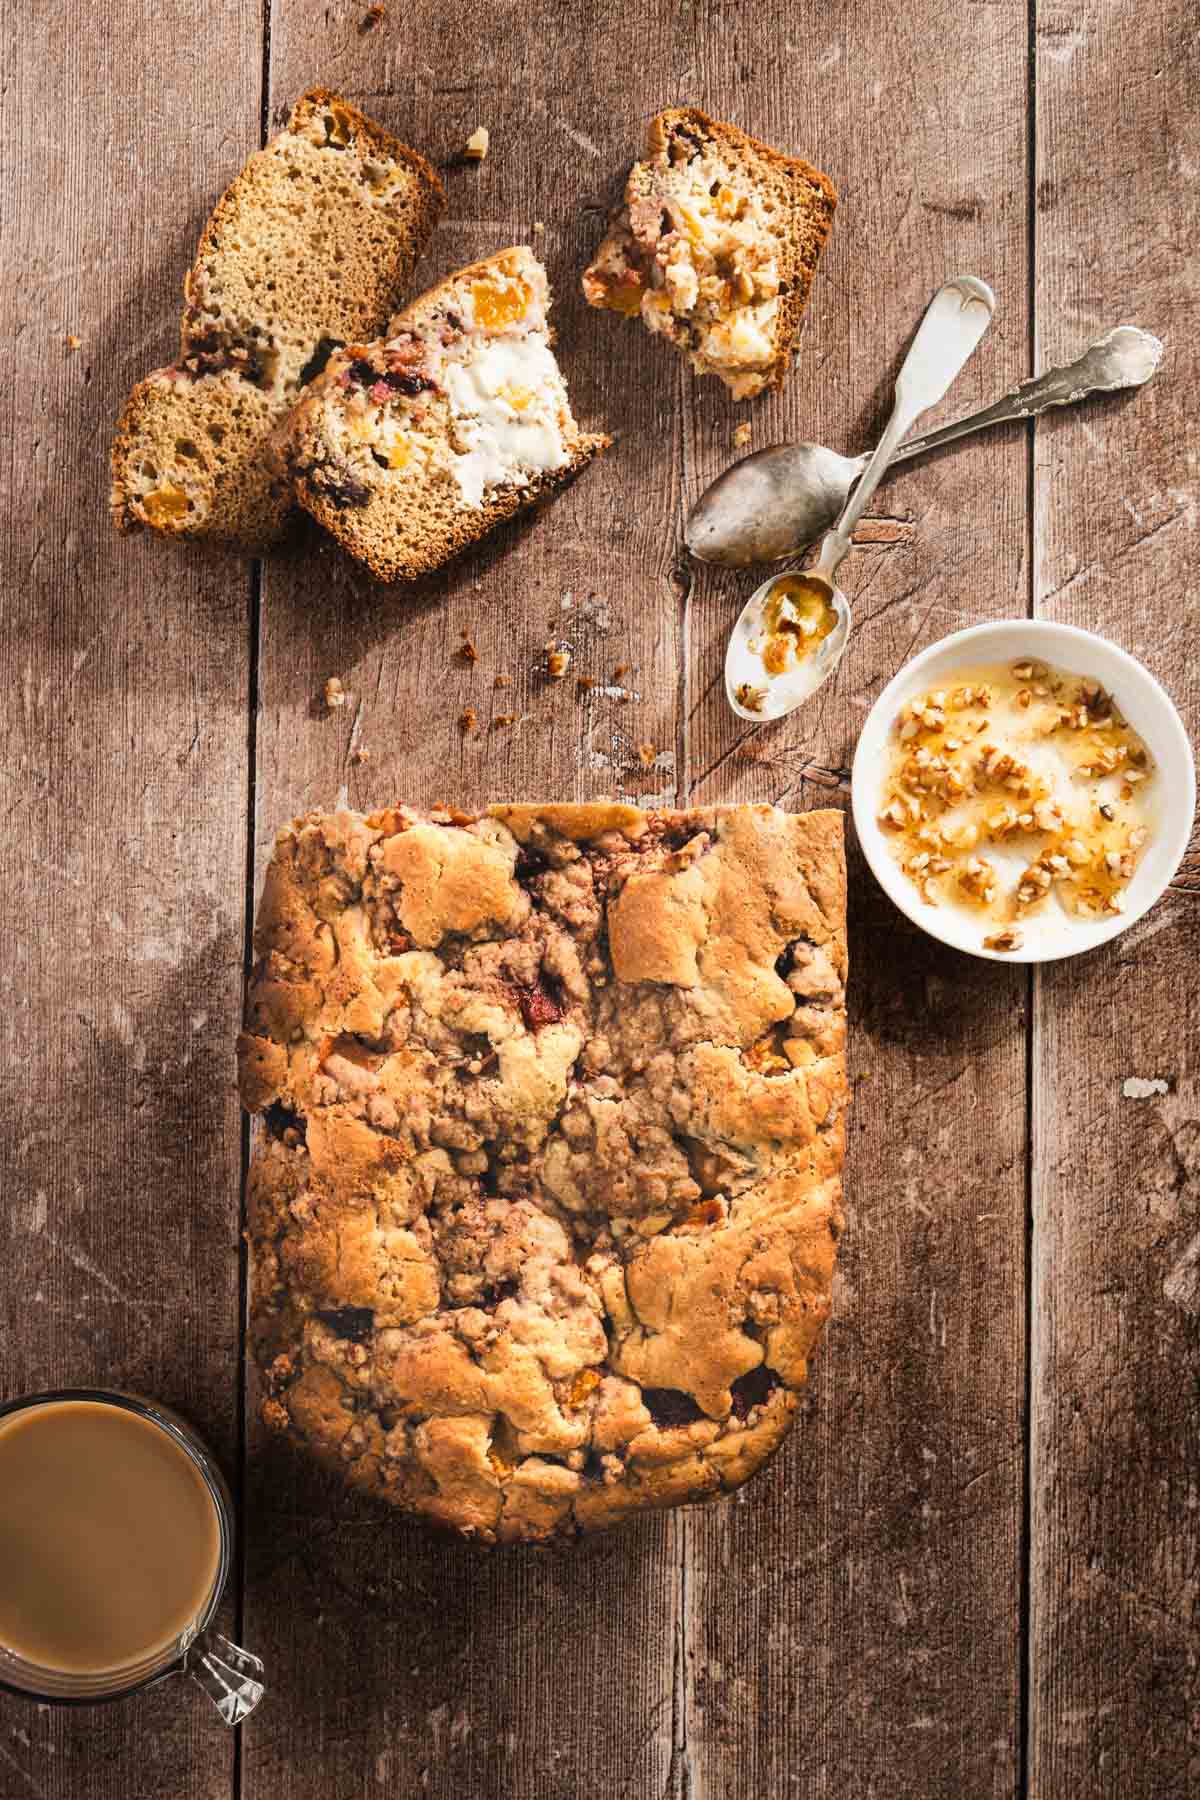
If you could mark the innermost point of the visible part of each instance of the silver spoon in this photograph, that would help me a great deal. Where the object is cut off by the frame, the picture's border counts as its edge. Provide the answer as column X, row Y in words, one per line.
column 771, row 504
column 802, row 614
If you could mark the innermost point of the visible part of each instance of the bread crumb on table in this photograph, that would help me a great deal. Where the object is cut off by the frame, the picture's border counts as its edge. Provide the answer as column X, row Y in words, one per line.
column 476, row 147
column 557, row 662
column 741, row 436
column 502, row 681
column 646, row 755
column 361, row 755
column 585, row 683
column 538, row 228
column 467, row 649
column 375, row 15
column 73, row 342
column 335, row 693
column 468, row 720
column 505, row 719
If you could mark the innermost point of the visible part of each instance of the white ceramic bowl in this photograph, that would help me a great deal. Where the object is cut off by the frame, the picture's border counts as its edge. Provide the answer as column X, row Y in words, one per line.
column 1139, row 697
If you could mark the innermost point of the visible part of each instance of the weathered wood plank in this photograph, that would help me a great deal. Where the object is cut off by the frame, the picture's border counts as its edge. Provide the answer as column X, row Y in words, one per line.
column 1115, row 1695
column 433, row 1670
column 123, row 785
column 855, row 1626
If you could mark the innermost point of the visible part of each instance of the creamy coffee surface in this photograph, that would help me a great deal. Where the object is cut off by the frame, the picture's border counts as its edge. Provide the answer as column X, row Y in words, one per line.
column 109, row 1538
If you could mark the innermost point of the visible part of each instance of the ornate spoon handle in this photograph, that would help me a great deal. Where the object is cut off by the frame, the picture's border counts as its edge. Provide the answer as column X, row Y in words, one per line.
column 1125, row 357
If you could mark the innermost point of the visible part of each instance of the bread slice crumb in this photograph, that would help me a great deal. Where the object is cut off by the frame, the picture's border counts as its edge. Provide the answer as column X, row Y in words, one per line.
column 309, row 248
column 716, row 247
column 335, row 693
column 478, row 144
column 412, row 447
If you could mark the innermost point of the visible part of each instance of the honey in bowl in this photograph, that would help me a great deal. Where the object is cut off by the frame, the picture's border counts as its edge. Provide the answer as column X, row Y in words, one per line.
column 1016, row 788
column 110, row 1543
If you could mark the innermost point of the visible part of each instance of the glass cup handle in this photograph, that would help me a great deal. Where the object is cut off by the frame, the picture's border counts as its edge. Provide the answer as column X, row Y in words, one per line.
column 229, row 1675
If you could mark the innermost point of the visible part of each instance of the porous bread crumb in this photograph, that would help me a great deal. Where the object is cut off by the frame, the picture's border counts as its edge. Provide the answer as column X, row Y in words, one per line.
column 467, row 649
column 360, row 755
column 502, row 681
column 305, row 250
column 476, row 147
column 558, row 661
column 335, row 693
column 742, row 436
column 646, row 755
column 468, row 719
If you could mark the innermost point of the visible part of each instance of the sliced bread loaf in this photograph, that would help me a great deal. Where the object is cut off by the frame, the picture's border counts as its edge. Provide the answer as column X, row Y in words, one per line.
column 309, row 247
column 410, row 448
column 716, row 247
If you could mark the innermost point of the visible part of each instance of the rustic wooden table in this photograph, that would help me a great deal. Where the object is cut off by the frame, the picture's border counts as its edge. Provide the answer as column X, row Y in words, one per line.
column 974, row 1572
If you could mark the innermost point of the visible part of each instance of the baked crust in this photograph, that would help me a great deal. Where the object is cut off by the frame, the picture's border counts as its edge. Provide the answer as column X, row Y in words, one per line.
column 544, row 1210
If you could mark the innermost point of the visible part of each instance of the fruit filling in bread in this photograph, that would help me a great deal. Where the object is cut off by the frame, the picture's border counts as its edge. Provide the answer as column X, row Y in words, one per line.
column 474, row 391
column 714, row 248
column 410, row 447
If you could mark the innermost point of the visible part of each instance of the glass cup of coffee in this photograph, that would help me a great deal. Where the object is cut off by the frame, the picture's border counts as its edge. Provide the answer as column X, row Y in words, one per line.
column 116, row 1541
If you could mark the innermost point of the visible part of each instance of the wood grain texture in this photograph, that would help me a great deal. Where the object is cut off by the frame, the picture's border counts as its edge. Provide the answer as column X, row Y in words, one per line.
column 859, row 1629
column 1115, row 1697
column 442, row 1673
column 850, row 1624
column 122, row 784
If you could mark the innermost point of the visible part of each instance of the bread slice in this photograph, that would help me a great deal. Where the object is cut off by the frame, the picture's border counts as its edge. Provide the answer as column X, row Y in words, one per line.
column 716, row 247
column 411, row 448
column 308, row 248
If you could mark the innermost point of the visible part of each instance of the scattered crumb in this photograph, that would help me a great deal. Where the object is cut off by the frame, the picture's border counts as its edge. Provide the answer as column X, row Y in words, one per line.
column 1009, row 939
column 741, row 436
column 557, row 662
column 752, row 698
column 375, row 15
column 335, row 693
column 360, row 755
column 1138, row 1087
column 502, row 681
column 468, row 720
column 538, row 228
column 620, row 672
column 467, row 649
column 585, row 683
column 73, row 342
column 646, row 755
column 476, row 146
column 505, row 719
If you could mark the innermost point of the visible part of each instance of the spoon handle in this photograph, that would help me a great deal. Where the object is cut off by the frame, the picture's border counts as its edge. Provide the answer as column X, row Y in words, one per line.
column 1122, row 358
column 956, row 319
